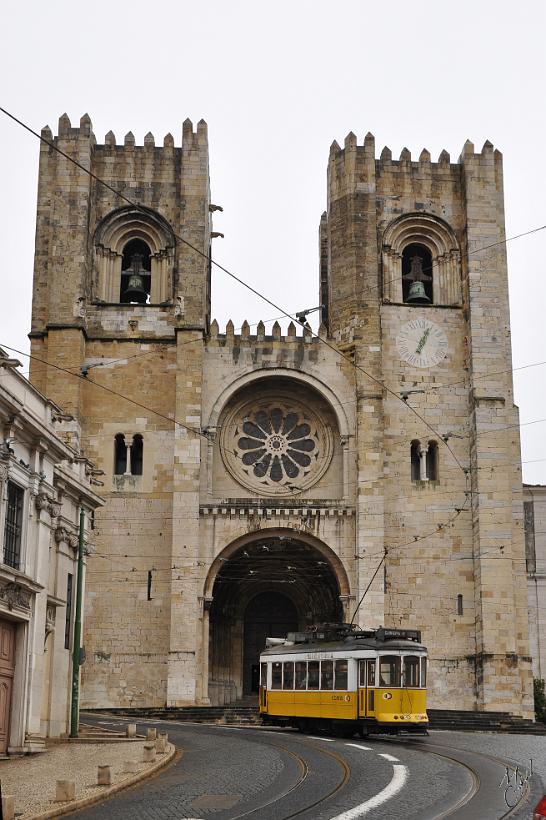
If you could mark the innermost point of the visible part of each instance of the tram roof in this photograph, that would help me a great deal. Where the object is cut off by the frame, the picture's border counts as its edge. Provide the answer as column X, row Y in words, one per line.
column 350, row 644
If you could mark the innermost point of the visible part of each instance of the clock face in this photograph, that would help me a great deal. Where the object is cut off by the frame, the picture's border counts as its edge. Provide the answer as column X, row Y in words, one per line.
column 421, row 343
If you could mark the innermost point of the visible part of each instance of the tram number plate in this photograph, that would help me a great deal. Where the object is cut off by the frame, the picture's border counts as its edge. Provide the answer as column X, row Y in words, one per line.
column 343, row 698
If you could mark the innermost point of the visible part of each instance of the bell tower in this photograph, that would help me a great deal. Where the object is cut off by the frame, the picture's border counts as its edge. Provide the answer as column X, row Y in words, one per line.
column 121, row 304
column 415, row 291
column 107, row 270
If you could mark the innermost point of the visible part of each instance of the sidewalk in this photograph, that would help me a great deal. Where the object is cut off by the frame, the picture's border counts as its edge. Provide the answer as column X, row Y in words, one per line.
column 32, row 779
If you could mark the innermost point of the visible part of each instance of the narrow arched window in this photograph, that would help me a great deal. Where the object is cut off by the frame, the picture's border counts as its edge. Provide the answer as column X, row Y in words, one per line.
column 137, row 454
column 136, row 274
column 459, row 604
column 432, row 461
column 415, row 460
column 417, row 275
column 120, row 455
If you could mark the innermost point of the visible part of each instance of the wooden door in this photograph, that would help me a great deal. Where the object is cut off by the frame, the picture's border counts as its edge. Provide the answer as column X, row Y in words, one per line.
column 7, row 668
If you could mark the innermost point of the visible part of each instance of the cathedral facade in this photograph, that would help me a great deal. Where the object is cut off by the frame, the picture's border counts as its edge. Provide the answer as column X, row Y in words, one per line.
column 260, row 483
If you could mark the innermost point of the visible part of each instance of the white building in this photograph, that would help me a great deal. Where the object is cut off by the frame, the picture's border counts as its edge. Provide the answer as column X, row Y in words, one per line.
column 43, row 483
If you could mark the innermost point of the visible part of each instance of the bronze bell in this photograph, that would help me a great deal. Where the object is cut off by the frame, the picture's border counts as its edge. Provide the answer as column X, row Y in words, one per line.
column 417, row 293
column 135, row 290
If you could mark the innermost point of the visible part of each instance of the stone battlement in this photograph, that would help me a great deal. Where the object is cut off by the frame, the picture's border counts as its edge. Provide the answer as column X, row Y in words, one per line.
column 65, row 131
column 231, row 339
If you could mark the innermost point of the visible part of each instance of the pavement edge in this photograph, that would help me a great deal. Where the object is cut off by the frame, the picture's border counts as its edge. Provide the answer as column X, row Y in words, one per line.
column 84, row 802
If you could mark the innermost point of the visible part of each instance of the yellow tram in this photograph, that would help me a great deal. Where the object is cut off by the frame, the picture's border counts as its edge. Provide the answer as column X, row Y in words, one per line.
column 346, row 681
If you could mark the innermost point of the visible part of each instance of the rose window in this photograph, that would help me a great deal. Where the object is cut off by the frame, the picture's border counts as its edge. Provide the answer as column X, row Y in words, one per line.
column 275, row 445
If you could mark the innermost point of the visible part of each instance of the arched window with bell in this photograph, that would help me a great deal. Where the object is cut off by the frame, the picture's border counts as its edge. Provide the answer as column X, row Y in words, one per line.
column 421, row 262
column 134, row 258
column 136, row 273
column 417, row 275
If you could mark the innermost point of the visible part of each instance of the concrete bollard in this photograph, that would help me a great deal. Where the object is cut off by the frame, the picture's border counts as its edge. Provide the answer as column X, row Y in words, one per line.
column 65, row 790
column 130, row 766
column 160, row 743
column 151, row 733
column 148, row 754
column 130, row 731
column 104, row 776
column 8, row 806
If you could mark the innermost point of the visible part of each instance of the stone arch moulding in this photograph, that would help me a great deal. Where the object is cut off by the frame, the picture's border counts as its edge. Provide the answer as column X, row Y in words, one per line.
column 435, row 235
column 114, row 232
column 284, row 372
column 334, row 561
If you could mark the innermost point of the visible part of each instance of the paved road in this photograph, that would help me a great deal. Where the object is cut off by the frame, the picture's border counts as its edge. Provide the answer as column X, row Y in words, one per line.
column 263, row 774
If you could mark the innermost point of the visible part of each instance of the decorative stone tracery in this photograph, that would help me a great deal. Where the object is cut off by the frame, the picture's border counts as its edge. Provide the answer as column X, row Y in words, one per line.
column 276, row 445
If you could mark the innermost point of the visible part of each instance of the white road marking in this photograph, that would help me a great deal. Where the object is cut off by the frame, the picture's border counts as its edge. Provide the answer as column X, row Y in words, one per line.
column 389, row 757
column 398, row 779
column 325, row 739
column 359, row 746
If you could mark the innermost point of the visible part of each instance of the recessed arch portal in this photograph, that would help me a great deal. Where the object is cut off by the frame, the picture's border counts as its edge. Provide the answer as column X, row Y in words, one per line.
column 269, row 581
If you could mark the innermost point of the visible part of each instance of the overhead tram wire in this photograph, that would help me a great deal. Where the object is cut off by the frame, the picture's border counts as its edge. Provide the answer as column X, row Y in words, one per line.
column 253, row 290
column 209, row 258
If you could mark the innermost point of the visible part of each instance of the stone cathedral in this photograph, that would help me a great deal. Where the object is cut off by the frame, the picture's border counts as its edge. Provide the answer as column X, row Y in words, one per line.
column 257, row 483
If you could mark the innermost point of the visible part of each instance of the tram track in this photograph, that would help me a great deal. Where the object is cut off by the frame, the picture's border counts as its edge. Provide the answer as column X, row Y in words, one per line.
column 310, row 793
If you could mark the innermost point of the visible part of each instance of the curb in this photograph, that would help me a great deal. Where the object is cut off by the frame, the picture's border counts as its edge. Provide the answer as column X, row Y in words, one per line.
column 83, row 803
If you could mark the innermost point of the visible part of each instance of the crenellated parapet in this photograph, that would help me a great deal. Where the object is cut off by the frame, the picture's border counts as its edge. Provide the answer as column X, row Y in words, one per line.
column 276, row 338
column 355, row 167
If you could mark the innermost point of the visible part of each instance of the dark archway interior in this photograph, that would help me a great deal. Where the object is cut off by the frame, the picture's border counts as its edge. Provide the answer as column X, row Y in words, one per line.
column 269, row 587
column 136, row 259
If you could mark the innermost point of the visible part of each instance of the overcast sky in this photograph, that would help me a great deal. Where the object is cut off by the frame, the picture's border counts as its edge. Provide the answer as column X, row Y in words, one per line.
column 277, row 83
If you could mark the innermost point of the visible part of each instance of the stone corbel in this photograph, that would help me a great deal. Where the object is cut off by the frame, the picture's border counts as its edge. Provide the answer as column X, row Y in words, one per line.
column 54, row 508
column 13, row 595
column 41, row 501
column 51, row 612
column 61, row 534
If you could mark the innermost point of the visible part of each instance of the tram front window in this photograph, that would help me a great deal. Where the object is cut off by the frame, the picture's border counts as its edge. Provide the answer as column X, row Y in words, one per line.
column 263, row 674
column 423, row 672
column 411, row 671
column 389, row 670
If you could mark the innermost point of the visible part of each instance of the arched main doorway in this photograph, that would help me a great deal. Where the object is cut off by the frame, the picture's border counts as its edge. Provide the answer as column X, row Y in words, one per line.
column 267, row 615
column 265, row 586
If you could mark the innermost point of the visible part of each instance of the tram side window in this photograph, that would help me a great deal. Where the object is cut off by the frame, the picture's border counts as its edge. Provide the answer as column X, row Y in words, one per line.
column 313, row 675
column 288, row 676
column 423, row 672
column 301, row 675
column 371, row 673
column 411, row 670
column 340, row 679
column 389, row 670
column 326, row 674
column 276, row 675
column 263, row 674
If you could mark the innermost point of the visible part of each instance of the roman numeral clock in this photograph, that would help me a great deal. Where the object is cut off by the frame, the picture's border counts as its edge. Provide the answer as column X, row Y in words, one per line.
column 421, row 343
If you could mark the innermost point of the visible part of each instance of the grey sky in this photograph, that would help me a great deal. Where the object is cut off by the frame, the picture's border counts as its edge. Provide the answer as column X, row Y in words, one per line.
column 276, row 84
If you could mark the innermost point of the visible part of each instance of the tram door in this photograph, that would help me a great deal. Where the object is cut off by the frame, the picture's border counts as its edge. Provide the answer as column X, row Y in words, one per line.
column 366, row 688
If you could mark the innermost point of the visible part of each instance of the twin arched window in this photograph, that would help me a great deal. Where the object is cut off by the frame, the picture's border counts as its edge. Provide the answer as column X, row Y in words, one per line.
column 128, row 458
column 424, row 461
